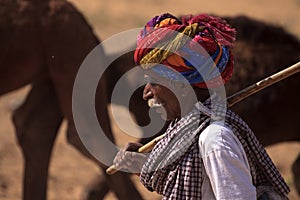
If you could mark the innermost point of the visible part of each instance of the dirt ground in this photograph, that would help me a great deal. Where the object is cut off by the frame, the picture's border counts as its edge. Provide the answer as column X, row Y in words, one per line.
column 69, row 170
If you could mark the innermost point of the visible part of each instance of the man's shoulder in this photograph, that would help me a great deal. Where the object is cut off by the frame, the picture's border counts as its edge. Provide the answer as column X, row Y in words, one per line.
column 214, row 137
column 214, row 129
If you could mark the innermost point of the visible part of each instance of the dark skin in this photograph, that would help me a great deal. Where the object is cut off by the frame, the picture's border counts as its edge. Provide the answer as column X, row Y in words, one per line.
column 165, row 97
column 175, row 97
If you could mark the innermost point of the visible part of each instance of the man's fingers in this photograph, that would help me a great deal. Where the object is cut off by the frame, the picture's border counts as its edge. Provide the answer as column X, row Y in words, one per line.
column 125, row 159
column 128, row 158
column 135, row 156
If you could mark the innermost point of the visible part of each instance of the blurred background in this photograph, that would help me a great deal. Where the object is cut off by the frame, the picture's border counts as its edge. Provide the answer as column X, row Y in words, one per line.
column 69, row 171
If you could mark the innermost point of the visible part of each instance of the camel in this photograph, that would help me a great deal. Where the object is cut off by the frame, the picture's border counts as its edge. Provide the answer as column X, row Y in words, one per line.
column 45, row 42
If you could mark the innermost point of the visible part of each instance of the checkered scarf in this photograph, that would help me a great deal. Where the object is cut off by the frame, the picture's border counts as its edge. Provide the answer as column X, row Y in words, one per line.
column 174, row 166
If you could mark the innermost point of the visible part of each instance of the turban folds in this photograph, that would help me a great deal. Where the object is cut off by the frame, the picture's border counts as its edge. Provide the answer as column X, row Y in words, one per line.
column 197, row 47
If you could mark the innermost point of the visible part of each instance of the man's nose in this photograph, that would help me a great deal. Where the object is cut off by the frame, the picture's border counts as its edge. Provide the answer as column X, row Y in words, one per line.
column 147, row 93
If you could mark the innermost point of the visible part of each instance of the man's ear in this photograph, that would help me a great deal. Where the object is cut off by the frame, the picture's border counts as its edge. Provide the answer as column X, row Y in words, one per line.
column 186, row 89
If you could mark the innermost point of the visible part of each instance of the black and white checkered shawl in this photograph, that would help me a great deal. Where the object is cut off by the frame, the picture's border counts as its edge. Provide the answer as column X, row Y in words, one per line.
column 173, row 168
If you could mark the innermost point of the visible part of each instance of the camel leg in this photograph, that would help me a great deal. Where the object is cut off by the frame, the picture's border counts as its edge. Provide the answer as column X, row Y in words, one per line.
column 36, row 123
column 69, row 40
column 120, row 183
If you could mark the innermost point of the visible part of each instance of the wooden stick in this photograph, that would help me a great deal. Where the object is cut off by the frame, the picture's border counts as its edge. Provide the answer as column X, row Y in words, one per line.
column 232, row 100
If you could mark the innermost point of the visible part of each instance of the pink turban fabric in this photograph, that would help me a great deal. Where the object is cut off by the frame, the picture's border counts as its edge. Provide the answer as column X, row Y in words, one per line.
column 163, row 42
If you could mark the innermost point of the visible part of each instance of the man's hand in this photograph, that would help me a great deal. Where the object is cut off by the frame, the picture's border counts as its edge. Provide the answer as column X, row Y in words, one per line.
column 128, row 158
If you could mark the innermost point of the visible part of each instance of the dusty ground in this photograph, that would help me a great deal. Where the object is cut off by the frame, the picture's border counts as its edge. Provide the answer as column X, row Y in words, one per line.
column 69, row 171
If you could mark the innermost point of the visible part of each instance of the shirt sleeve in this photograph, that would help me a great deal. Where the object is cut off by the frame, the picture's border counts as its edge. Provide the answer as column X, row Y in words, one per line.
column 226, row 164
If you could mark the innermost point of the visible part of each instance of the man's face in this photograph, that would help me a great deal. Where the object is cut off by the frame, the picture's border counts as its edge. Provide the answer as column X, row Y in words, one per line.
column 158, row 90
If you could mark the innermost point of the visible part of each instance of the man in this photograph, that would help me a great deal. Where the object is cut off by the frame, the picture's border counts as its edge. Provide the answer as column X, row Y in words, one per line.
column 207, row 152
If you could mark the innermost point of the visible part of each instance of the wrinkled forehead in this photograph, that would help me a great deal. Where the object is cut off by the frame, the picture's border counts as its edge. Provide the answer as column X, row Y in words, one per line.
column 170, row 80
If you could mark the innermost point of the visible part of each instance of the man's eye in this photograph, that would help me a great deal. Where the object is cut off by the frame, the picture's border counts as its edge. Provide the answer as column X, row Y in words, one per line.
column 147, row 79
column 153, row 84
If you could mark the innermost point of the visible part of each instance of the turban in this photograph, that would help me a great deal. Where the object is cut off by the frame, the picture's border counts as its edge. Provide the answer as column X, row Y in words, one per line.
column 198, row 48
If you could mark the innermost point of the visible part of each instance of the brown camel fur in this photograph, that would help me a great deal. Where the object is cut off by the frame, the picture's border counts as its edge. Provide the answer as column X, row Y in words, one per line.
column 43, row 43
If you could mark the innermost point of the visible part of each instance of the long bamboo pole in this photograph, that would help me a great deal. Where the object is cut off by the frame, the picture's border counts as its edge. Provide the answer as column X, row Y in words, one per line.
column 232, row 100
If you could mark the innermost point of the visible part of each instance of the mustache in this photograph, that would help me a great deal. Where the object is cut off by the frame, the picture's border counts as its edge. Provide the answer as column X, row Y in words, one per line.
column 152, row 103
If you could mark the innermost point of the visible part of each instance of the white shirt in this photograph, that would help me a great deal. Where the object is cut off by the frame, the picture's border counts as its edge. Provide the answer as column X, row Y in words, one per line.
column 226, row 170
